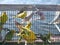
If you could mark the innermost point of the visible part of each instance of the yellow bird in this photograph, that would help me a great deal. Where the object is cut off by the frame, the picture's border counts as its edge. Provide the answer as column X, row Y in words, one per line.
column 26, row 33
column 21, row 15
column 3, row 19
column 30, row 37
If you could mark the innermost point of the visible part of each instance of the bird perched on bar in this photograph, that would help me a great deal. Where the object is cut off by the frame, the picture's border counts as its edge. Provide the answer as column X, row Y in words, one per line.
column 22, row 14
column 46, row 38
column 26, row 33
column 8, row 36
column 3, row 19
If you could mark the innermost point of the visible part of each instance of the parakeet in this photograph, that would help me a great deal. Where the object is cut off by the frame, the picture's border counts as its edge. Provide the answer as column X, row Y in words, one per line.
column 3, row 19
column 8, row 36
column 49, row 37
column 30, row 37
column 45, row 38
column 21, row 15
column 26, row 33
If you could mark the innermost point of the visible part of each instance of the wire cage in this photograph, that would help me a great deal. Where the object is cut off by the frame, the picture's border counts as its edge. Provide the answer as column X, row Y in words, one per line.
column 38, row 26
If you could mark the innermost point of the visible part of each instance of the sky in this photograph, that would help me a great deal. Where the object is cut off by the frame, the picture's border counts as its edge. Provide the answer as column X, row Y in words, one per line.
column 30, row 2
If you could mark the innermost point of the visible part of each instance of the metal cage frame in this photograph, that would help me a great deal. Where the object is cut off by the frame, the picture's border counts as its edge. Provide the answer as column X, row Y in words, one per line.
column 6, row 7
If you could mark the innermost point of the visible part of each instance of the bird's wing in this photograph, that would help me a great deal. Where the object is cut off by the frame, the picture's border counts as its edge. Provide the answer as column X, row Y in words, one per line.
column 28, row 25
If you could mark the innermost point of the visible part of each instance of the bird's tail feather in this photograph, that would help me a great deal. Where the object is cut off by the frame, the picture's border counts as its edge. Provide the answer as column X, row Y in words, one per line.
column 3, row 42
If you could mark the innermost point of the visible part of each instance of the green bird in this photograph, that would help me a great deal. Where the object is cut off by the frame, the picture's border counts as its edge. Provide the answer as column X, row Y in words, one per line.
column 8, row 36
column 3, row 19
column 45, row 38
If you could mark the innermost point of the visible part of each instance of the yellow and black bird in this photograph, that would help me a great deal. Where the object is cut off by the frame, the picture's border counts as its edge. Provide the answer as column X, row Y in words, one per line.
column 22, row 14
column 26, row 33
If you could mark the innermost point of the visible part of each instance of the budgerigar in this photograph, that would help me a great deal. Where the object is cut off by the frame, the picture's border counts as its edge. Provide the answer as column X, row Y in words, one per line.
column 8, row 36
column 3, row 19
column 21, row 15
column 26, row 33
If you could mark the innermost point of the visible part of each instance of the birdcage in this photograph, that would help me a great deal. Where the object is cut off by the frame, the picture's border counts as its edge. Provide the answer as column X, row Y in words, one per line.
column 38, row 26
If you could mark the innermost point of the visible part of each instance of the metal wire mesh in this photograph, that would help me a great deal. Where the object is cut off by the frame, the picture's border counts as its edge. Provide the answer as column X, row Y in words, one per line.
column 38, row 26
